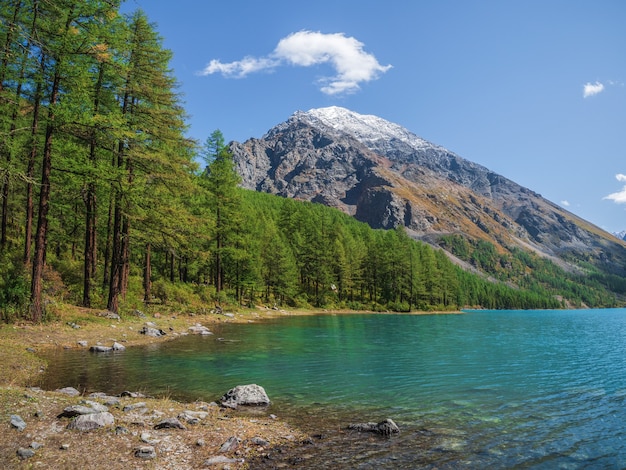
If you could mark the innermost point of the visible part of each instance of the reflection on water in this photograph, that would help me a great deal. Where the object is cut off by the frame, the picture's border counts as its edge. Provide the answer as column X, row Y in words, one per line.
column 486, row 389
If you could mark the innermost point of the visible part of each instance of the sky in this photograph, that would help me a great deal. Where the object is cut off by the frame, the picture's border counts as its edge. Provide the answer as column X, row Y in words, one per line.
column 534, row 90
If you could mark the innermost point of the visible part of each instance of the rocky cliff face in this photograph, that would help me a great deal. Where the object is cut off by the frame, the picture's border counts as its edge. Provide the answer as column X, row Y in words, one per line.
column 386, row 176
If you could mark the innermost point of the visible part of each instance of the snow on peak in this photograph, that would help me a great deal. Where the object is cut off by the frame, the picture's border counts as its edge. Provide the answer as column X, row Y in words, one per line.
column 621, row 235
column 369, row 129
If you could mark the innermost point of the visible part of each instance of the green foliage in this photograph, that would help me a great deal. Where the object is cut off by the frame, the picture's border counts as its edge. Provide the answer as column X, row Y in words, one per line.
column 92, row 127
column 14, row 289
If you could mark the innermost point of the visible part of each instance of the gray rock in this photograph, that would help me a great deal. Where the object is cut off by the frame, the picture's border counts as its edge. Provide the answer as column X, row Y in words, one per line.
column 100, row 349
column 220, row 460
column 385, row 428
column 193, row 417
column 64, row 447
column 230, row 445
column 118, row 347
column 149, row 331
column 132, row 394
column 111, row 401
column 200, row 329
column 23, row 453
column 18, row 423
column 71, row 391
column 259, row 441
column 91, row 421
column 97, row 407
column 139, row 313
column 134, row 406
column 170, row 423
column 145, row 452
column 82, row 343
column 36, row 445
column 145, row 437
column 249, row 395
column 110, row 315
column 120, row 430
column 77, row 410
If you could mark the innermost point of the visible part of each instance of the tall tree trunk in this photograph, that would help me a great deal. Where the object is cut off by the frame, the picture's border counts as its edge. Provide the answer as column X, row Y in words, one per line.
column 30, row 172
column 109, row 241
column 125, row 257
column 116, row 256
column 90, row 204
column 147, row 274
column 41, row 236
column 3, row 70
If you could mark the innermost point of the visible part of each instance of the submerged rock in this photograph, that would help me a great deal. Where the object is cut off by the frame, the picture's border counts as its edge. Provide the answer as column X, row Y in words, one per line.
column 248, row 395
column 100, row 349
column 385, row 428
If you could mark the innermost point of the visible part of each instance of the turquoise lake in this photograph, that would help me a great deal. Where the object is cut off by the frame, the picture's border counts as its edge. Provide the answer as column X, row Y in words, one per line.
column 487, row 389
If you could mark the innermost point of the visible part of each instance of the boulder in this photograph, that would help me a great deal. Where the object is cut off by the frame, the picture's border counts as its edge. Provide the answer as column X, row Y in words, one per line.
column 100, row 349
column 91, row 421
column 118, row 347
column 247, row 395
column 385, row 428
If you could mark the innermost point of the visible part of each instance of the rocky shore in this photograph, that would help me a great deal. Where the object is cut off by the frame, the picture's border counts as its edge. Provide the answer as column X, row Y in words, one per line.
column 67, row 428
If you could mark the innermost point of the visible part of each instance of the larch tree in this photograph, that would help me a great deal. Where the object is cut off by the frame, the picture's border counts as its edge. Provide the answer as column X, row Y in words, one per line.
column 221, row 181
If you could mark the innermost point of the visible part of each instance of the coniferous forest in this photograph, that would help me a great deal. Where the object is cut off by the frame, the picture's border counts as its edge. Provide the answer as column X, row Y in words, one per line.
column 107, row 204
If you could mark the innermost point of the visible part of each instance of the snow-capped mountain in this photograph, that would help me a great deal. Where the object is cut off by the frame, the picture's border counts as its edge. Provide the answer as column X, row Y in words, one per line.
column 621, row 235
column 371, row 130
column 385, row 175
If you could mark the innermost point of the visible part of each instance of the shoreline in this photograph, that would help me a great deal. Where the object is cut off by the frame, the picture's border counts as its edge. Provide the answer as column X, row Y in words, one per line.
column 20, row 366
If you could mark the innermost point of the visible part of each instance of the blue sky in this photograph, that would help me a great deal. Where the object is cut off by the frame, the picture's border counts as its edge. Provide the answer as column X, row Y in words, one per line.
column 533, row 90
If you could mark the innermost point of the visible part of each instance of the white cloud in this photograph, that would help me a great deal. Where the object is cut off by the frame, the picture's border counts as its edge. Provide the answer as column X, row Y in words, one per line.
column 565, row 203
column 620, row 196
column 307, row 48
column 590, row 89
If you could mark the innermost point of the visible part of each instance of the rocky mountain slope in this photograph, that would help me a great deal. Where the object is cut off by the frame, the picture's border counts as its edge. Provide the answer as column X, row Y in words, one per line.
column 384, row 175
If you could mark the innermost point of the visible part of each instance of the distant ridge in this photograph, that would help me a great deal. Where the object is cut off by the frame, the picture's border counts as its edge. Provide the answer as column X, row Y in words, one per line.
column 385, row 175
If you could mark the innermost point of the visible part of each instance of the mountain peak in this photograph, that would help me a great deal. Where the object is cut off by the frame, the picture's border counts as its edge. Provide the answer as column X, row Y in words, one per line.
column 373, row 131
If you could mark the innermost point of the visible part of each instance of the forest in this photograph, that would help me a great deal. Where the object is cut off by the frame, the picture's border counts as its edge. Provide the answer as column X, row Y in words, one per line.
column 107, row 204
